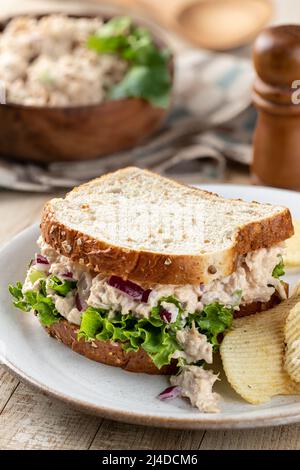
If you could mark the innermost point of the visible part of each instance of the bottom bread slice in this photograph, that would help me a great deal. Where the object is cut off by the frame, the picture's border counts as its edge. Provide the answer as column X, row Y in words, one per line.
column 112, row 353
column 107, row 352
column 257, row 307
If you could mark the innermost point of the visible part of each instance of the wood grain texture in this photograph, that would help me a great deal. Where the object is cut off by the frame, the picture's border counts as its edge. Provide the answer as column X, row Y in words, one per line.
column 277, row 438
column 17, row 211
column 205, row 23
column 32, row 421
column 112, row 436
column 8, row 385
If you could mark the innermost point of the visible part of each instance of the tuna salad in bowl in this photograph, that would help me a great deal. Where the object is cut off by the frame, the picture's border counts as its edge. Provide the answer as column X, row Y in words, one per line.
column 79, row 87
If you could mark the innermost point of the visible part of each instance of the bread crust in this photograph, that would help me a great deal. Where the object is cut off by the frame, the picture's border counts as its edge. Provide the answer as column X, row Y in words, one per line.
column 112, row 353
column 107, row 352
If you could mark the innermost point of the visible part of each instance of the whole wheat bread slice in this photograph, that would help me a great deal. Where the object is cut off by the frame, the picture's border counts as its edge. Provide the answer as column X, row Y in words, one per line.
column 141, row 226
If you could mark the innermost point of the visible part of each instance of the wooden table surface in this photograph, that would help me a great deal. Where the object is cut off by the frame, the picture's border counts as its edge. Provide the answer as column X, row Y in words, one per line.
column 31, row 420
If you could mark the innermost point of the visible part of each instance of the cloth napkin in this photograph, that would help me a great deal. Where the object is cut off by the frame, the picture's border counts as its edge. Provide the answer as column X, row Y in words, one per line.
column 211, row 120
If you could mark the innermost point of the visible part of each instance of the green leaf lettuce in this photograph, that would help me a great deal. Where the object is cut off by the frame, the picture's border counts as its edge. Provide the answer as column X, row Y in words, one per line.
column 152, row 334
column 37, row 301
column 61, row 288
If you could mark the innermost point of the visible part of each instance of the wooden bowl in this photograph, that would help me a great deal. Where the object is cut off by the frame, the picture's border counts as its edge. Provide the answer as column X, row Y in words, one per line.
column 49, row 134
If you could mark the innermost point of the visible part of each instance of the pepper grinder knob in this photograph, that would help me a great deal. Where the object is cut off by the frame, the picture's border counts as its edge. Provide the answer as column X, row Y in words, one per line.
column 276, row 95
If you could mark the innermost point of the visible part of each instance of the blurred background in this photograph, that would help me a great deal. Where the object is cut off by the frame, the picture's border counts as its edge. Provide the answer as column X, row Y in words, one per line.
column 206, row 134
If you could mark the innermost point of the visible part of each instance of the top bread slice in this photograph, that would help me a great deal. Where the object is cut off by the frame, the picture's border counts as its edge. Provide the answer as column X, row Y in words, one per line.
column 138, row 225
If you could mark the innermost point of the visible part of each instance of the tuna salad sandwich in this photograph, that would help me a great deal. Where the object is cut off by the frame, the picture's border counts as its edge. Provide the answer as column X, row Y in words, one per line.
column 137, row 271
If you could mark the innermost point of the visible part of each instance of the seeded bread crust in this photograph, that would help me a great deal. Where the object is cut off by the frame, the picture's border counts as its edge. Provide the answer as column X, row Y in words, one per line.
column 107, row 352
column 112, row 353
column 153, row 267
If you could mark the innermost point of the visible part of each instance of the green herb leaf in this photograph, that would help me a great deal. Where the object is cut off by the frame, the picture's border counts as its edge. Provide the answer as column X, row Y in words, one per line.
column 16, row 291
column 117, row 26
column 149, row 83
column 148, row 76
column 106, row 44
column 279, row 271
column 62, row 288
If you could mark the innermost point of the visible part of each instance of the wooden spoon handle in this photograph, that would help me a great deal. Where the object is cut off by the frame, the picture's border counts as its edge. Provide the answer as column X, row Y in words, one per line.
column 162, row 12
column 138, row 5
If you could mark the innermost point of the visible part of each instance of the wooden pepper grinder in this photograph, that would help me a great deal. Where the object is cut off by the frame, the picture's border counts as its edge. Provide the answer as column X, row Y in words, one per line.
column 276, row 96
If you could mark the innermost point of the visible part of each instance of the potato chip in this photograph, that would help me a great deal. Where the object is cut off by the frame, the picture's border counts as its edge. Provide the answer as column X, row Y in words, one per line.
column 292, row 256
column 292, row 340
column 296, row 290
column 253, row 355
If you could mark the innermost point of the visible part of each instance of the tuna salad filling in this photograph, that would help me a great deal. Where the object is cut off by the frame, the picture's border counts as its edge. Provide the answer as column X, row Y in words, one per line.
column 170, row 323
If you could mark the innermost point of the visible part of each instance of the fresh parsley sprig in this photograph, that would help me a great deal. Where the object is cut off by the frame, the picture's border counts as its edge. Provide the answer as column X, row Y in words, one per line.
column 148, row 75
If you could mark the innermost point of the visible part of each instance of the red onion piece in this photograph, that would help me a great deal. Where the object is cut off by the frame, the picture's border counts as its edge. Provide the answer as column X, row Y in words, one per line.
column 145, row 295
column 80, row 303
column 165, row 315
column 41, row 263
column 170, row 393
column 130, row 288
column 40, row 259
column 68, row 275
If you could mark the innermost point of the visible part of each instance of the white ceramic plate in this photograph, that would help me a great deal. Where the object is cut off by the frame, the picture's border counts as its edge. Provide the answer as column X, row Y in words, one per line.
column 110, row 392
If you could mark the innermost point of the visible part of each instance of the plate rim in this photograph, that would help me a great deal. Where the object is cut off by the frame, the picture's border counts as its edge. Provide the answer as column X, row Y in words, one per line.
column 204, row 422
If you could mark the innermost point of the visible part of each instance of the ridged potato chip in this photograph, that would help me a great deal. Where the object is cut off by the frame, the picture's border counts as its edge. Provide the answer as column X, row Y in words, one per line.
column 292, row 256
column 252, row 353
column 292, row 340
